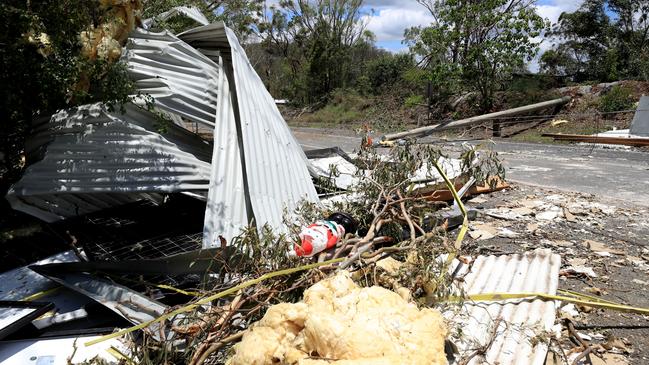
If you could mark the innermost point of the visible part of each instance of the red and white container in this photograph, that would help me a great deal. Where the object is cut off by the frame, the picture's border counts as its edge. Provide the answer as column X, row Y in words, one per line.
column 317, row 237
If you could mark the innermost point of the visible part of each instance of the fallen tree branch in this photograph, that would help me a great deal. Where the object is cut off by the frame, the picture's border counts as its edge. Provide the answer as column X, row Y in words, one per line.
column 211, row 298
column 216, row 346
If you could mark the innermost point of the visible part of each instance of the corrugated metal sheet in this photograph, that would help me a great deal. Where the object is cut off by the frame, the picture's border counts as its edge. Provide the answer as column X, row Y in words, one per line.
column 96, row 159
column 180, row 79
column 276, row 176
column 228, row 209
column 640, row 123
column 522, row 325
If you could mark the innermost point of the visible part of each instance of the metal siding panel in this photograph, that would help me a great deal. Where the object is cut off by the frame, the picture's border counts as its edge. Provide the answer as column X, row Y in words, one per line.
column 534, row 272
column 275, row 163
column 640, row 123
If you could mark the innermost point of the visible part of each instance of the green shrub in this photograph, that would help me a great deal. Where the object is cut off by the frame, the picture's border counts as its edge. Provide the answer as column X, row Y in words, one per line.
column 618, row 98
column 414, row 100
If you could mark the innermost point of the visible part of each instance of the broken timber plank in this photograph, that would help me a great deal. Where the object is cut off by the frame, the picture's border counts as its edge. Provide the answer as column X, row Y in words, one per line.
column 635, row 142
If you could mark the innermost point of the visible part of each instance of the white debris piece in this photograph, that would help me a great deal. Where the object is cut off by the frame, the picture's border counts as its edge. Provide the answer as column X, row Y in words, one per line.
column 519, row 321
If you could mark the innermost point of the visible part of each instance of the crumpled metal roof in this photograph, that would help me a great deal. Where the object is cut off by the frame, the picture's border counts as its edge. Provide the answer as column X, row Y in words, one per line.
column 96, row 159
column 228, row 209
column 276, row 174
column 521, row 324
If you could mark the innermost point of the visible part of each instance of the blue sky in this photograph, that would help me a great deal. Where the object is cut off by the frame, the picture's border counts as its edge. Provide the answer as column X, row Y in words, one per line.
column 387, row 19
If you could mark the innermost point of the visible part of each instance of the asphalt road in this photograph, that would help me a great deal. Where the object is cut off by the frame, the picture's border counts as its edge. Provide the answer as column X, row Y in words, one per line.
column 611, row 173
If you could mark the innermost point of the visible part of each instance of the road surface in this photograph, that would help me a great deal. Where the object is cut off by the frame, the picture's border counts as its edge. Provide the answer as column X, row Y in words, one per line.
column 612, row 173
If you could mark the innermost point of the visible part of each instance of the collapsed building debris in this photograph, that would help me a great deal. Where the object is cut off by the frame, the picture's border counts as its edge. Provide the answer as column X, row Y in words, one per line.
column 213, row 84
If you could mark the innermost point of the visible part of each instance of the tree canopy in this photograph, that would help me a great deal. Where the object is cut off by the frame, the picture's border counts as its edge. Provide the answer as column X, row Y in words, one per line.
column 48, row 61
column 602, row 40
column 475, row 44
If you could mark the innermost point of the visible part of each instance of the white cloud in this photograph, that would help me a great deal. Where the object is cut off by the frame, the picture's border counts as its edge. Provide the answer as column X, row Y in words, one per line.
column 389, row 23
column 552, row 9
column 394, row 4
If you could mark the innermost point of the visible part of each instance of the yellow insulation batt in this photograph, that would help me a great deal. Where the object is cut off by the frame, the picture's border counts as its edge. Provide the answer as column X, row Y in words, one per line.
column 105, row 41
column 339, row 322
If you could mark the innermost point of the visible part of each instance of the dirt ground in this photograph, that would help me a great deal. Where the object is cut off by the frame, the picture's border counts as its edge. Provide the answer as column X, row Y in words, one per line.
column 604, row 253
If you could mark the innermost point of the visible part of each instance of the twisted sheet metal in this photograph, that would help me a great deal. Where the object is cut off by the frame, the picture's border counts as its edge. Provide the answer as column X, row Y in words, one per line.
column 516, row 327
column 94, row 159
column 180, row 79
column 276, row 176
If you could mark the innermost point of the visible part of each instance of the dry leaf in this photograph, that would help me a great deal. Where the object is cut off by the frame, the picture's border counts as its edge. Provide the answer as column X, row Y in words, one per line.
column 614, row 342
column 600, row 247
column 595, row 290
column 569, row 216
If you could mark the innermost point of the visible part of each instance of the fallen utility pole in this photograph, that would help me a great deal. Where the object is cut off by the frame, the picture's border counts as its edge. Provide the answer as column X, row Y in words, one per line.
column 423, row 131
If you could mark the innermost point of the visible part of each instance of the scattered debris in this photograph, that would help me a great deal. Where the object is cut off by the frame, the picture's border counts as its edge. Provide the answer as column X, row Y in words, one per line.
column 636, row 136
column 394, row 284
column 628, row 141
